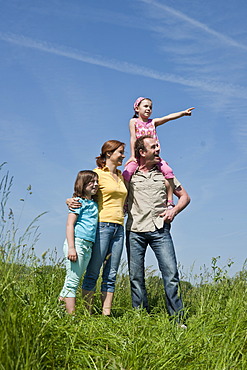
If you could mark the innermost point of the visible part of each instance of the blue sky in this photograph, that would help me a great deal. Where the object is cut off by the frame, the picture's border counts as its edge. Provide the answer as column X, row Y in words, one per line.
column 70, row 72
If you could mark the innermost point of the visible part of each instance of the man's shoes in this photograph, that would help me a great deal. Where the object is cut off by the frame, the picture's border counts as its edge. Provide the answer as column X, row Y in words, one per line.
column 182, row 326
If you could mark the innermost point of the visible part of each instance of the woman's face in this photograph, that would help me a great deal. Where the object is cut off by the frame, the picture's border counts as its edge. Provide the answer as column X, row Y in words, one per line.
column 117, row 156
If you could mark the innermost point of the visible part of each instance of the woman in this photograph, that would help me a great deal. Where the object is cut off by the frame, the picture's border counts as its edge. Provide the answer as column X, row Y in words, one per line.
column 108, row 246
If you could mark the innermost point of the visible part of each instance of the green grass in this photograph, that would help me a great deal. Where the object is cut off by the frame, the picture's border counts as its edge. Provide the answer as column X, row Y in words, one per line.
column 36, row 333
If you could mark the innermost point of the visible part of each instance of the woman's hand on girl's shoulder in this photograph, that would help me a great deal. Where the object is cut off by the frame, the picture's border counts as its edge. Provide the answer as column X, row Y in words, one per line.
column 73, row 203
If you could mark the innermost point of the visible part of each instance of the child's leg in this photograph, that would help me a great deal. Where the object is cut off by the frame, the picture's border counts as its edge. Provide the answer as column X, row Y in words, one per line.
column 166, row 169
column 74, row 271
column 169, row 175
column 169, row 192
column 129, row 170
column 70, row 304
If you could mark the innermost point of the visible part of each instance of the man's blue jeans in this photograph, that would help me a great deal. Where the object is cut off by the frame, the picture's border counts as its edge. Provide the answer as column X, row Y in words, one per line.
column 106, row 251
column 161, row 243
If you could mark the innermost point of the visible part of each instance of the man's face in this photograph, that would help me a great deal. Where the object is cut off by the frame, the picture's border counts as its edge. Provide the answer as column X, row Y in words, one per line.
column 152, row 153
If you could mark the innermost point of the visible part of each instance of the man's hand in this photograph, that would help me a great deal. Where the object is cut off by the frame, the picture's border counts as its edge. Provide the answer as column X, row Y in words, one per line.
column 73, row 203
column 169, row 215
column 183, row 200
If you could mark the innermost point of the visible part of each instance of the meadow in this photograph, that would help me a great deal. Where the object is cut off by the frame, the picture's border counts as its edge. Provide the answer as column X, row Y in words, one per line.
column 36, row 333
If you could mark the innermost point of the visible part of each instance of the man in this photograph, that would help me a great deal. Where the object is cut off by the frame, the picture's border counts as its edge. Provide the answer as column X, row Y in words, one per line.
column 149, row 224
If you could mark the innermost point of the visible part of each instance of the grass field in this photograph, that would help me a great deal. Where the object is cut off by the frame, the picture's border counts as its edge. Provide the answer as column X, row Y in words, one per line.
column 36, row 333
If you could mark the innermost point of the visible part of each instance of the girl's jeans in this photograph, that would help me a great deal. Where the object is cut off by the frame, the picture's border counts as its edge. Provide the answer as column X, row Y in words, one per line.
column 74, row 270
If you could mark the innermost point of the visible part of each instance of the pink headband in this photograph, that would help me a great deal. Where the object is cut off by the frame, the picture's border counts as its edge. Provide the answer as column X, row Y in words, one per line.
column 137, row 102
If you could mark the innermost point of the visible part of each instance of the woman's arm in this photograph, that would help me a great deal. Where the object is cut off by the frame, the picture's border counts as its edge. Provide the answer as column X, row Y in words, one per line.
column 70, row 235
column 73, row 203
column 172, row 116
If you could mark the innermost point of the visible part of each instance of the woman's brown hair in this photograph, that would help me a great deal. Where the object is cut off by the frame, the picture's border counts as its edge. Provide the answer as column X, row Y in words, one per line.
column 108, row 146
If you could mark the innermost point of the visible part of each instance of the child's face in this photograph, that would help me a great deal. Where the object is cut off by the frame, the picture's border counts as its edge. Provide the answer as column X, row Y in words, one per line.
column 91, row 188
column 144, row 109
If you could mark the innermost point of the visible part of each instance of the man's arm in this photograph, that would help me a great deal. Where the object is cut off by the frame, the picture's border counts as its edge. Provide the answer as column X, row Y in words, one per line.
column 183, row 201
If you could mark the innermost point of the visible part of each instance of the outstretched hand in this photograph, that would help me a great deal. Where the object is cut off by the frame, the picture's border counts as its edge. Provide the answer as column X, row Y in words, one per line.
column 188, row 111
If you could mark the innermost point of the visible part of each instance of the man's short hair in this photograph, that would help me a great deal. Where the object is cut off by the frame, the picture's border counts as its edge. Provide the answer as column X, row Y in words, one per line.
column 139, row 145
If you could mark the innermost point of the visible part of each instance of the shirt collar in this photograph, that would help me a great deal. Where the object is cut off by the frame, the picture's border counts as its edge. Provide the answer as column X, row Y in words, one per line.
column 154, row 168
column 106, row 169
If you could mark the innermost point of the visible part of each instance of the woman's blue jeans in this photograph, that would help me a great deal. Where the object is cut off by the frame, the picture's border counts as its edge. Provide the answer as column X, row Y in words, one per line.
column 106, row 251
column 161, row 243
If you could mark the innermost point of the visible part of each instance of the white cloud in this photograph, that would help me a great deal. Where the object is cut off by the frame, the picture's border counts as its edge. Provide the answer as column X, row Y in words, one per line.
column 196, row 24
column 125, row 67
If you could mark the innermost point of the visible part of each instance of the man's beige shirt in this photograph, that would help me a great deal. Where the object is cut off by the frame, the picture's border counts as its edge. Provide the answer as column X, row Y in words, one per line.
column 147, row 200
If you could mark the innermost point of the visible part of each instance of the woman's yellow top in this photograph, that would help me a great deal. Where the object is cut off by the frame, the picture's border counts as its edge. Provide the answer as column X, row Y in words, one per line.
column 111, row 196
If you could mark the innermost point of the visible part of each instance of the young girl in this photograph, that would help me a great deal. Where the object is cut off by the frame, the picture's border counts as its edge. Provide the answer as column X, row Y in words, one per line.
column 80, row 235
column 141, row 125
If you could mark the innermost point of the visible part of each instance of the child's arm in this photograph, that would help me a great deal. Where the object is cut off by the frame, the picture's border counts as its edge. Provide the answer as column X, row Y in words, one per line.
column 70, row 235
column 169, row 192
column 172, row 116
column 132, row 141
